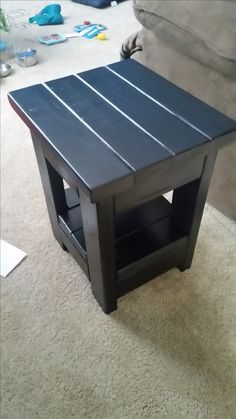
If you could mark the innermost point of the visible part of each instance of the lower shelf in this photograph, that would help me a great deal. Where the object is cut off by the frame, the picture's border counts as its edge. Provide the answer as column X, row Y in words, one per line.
column 143, row 235
column 132, row 278
column 134, row 252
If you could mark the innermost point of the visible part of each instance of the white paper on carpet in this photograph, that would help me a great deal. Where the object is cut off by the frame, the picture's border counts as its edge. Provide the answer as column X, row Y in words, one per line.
column 11, row 256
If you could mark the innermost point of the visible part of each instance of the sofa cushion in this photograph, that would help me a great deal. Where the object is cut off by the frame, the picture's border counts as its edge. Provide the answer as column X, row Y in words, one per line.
column 202, row 30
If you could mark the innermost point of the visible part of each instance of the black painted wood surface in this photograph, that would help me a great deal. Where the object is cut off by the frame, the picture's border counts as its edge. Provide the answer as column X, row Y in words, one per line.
column 181, row 103
column 126, row 138
column 174, row 134
column 110, row 125
column 121, row 136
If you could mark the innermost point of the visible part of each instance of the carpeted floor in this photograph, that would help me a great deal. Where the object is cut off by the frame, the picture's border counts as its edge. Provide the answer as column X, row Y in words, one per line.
column 170, row 349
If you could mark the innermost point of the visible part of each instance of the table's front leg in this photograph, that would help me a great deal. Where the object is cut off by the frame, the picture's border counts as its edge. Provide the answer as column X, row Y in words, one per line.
column 98, row 224
column 53, row 188
column 188, row 205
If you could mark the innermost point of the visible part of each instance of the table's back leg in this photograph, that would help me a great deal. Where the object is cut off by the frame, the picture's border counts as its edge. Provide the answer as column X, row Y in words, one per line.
column 188, row 205
column 98, row 224
column 53, row 188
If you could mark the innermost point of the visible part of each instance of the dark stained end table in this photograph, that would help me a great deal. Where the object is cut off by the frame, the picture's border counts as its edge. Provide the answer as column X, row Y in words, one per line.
column 121, row 136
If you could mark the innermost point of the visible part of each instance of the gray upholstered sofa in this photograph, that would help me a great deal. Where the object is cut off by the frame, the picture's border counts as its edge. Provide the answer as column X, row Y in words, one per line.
column 193, row 44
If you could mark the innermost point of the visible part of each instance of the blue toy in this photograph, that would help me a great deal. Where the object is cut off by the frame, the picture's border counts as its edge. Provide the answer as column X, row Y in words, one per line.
column 89, row 30
column 3, row 45
column 52, row 39
column 97, row 3
column 49, row 15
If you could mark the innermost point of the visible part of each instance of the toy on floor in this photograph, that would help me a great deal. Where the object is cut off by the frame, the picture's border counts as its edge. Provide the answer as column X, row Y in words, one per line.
column 101, row 36
column 86, row 30
column 56, row 38
column 90, row 30
column 4, row 25
column 49, row 15
column 52, row 39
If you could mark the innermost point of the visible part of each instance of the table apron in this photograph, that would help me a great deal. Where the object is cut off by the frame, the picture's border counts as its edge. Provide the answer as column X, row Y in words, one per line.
column 159, row 182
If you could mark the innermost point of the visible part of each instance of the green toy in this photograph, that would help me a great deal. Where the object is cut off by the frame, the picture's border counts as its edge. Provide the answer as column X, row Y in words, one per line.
column 3, row 21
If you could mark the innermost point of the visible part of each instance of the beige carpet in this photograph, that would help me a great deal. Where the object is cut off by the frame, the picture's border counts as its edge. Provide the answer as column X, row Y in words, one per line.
column 170, row 349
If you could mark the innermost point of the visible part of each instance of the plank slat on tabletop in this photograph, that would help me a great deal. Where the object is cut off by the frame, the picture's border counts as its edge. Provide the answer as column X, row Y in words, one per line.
column 210, row 121
column 74, row 141
column 168, row 129
column 128, row 140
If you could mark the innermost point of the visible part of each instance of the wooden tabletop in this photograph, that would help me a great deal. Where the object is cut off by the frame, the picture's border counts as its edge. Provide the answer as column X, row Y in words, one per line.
column 110, row 123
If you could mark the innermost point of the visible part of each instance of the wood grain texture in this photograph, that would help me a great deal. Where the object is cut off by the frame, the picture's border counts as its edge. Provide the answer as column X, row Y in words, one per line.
column 188, row 204
column 128, row 140
column 168, row 129
column 53, row 188
column 99, row 234
column 141, row 244
column 119, row 148
column 136, row 278
column 72, row 198
column 140, row 216
column 172, row 174
column 122, row 140
column 210, row 121
column 77, row 145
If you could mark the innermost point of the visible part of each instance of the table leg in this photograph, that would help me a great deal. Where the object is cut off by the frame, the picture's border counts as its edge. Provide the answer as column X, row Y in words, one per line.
column 98, row 224
column 53, row 188
column 188, row 205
